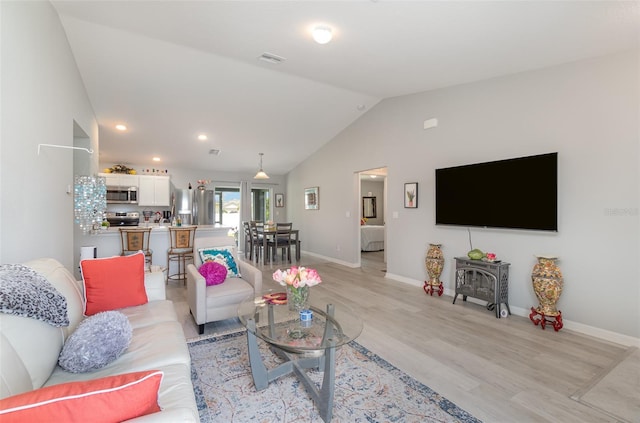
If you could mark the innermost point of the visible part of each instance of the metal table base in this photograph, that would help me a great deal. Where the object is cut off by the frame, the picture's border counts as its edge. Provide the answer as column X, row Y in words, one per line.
column 297, row 363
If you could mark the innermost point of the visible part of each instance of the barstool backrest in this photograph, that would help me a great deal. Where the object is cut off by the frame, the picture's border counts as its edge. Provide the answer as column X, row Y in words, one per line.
column 134, row 240
column 182, row 237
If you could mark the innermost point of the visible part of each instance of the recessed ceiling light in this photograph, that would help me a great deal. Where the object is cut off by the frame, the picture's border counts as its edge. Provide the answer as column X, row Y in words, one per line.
column 202, row 137
column 322, row 34
column 121, row 127
column 156, row 159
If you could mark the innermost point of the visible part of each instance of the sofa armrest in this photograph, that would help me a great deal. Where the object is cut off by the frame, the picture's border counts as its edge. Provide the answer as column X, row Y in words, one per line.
column 154, row 285
column 197, row 294
column 251, row 274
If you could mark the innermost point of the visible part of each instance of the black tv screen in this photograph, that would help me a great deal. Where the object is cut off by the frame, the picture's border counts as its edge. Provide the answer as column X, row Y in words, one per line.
column 519, row 193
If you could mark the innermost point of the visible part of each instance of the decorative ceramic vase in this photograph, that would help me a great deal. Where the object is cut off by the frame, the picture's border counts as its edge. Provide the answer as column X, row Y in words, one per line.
column 434, row 263
column 297, row 298
column 547, row 284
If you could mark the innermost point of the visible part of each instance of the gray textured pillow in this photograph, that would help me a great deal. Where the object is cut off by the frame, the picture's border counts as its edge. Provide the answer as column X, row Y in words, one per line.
column 98, row 340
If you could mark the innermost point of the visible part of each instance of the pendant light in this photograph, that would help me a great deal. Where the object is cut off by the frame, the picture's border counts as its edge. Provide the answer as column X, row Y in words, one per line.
column 261, row 174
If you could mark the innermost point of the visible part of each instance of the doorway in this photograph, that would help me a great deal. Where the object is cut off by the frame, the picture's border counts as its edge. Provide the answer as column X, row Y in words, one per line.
column 226, row 206
column 261, row 204
column 373, row 210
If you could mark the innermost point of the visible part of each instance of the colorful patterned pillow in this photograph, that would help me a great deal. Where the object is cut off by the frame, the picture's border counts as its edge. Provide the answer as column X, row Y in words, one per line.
column 222, row 255
column 214, row 272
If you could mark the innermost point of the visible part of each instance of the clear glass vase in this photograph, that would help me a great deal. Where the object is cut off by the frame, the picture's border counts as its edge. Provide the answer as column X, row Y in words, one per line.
column 297, row 298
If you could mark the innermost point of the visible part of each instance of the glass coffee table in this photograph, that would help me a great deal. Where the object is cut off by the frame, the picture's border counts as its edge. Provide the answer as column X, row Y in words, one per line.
column 302, row 343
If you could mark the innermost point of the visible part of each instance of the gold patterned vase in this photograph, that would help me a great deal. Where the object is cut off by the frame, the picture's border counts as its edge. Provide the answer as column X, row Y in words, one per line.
column 547, row 284
column 434, row 263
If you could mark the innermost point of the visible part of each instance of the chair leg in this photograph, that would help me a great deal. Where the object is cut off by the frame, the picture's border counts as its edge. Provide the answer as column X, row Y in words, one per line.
column 181, row 268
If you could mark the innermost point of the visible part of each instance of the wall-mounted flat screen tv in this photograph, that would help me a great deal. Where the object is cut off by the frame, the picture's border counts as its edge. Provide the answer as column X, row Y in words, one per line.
column 519, row 193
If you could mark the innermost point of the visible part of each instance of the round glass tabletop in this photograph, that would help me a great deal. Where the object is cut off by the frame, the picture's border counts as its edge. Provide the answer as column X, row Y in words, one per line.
column 319, row 327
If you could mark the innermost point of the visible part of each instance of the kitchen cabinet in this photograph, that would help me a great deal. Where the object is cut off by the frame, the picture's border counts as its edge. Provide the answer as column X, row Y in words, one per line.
column 120, row 179
column 154, row 190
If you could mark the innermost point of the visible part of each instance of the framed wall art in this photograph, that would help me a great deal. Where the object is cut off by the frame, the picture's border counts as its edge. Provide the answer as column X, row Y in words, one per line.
column 411, row 195
column 311, row 198
column 279, row 200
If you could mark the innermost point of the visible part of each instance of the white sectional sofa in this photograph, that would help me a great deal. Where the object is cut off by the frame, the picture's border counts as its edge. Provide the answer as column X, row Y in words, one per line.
column 29, row 348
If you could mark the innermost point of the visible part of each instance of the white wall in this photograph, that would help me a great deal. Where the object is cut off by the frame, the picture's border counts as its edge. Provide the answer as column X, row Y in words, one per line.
column 587, row 111
column 42, row 95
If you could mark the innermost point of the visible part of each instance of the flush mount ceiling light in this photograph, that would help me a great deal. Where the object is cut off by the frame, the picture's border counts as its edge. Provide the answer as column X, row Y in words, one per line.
column 322, row 34
column 261, row 174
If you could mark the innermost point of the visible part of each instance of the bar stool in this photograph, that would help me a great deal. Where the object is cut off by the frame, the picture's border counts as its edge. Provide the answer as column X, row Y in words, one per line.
column 180, row 250
column 134, row 240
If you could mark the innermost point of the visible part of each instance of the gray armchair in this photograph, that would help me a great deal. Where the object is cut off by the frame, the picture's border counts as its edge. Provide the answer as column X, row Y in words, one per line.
column 219, row 302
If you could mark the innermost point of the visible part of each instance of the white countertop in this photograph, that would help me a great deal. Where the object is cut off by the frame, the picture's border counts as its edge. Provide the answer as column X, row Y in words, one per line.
column 157, row 228
column 108, row 243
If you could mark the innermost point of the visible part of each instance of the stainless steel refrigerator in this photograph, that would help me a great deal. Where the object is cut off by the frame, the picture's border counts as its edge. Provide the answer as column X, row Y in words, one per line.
column 203, row 207
column 183, row 205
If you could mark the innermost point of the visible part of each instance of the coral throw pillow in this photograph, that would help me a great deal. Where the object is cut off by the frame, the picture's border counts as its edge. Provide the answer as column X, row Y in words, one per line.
column 215, row 273
column 109, row 399
column 113, row 283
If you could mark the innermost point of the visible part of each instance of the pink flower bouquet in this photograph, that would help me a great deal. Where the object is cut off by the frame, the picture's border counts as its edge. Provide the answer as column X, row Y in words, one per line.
column 297, row 277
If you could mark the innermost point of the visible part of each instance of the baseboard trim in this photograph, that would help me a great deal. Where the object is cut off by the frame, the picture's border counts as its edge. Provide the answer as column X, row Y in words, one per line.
column 331, row 259
column 599, row 333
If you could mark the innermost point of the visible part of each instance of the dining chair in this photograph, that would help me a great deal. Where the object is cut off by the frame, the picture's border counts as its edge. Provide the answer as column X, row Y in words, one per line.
column 257, row 234
column 134, row 240
column 282, row 240
column 249, row 247
column 180, row 251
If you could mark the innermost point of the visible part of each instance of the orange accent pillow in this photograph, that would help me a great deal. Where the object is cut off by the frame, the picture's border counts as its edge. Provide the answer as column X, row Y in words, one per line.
column 113, row 283
column 108, row 399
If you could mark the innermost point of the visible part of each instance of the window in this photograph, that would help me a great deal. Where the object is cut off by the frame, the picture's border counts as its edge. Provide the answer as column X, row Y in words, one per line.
column 227, row 206
column 260, row 204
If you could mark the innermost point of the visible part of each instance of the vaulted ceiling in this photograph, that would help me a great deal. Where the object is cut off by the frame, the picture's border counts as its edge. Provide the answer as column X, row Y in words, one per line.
column 171, row 70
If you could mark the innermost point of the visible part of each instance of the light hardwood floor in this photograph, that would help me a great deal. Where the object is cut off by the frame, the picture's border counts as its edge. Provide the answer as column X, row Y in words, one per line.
column 499, row 370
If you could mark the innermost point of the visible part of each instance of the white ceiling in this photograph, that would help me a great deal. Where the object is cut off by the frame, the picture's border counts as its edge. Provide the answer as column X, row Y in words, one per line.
column 173, row 69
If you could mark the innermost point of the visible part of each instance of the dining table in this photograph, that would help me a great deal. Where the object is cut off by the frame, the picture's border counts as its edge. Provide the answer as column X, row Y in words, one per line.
column 269, row 232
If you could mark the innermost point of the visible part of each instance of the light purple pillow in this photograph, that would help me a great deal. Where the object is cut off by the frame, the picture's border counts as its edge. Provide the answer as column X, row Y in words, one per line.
column 215, row 273
column 98, row 340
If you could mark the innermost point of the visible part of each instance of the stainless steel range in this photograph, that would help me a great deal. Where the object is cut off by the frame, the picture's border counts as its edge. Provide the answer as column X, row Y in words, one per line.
column 123, row 218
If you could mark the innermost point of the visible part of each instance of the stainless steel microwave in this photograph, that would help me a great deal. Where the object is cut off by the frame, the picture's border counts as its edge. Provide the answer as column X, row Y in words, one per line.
column 122, row 195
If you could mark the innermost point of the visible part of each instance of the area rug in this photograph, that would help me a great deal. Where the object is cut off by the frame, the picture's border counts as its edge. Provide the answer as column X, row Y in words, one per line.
column 368, row 388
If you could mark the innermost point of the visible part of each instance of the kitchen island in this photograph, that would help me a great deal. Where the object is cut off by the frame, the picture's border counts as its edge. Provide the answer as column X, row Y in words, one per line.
column 108, row 243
